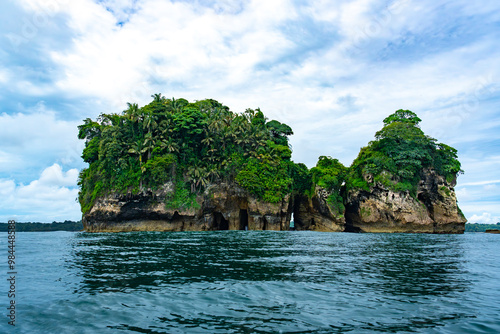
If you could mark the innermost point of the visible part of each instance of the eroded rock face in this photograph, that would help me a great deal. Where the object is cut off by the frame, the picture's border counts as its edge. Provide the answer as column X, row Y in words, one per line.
column 315, row 214
column 220, row 207
column 434, row 210
column 230, row 207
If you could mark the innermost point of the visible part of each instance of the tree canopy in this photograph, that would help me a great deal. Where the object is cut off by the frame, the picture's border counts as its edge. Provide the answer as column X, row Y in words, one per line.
column 402, row 116
column 399, row 154
column 188, row 144
column 195, row 144
column 330, row 174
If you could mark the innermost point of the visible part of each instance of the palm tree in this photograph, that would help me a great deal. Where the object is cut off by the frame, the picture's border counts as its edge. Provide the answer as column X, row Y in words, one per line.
column 198, row 177
column 150, row 121
column 178, row 105
column 158, row 98
column 138, row 149
column 149, row 124
column 213, row 174
column 132, row 114
column 149, row 144
column 132, row 111
column 170, row 145
column 165, row 126
column 208, row 140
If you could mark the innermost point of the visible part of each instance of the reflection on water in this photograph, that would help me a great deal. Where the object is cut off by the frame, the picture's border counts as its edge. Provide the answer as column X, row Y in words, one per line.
column 117, row 262
column 268, row 282
column 414, row 264
column 397, row 264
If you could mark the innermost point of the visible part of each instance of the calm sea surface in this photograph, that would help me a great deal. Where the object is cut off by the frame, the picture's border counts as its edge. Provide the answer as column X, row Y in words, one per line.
column 254, row 282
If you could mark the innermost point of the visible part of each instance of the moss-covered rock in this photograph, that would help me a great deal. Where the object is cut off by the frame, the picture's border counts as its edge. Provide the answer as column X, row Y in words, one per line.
column 434, row 209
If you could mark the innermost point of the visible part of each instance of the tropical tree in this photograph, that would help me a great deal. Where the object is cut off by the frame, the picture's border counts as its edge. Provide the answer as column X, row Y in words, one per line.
column 89, row 129
column 402, row 116
column 400, row 153
column 138, row 149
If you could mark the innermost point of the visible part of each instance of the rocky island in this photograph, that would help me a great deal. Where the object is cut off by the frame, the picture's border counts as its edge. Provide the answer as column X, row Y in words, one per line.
column 173, row 165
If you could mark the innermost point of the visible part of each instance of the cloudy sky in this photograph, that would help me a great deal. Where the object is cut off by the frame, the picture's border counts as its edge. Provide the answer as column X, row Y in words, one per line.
column 332, row 70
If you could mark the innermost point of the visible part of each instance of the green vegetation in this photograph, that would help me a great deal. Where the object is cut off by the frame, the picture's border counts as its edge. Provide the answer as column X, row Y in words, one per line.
column 188, row 144
column 191, row 145
column 365, row 212
column 399, row 154
column 395, row 158
column 330, row 175
column 481, row 227
column 67, row 225
column 445, row 190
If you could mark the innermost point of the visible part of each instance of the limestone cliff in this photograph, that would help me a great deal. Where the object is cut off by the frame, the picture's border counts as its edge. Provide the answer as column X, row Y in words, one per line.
column 220, row 207
column 316, row 214
column 230, row 207
column 434, row 210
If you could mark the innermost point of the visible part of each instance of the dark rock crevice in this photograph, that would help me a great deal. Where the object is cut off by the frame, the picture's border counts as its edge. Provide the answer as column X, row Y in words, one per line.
column 316, row 214
column 243, row 219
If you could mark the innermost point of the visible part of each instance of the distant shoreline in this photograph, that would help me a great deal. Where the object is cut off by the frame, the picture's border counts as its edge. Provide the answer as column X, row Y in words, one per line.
column 481, row 227
column 67, row 225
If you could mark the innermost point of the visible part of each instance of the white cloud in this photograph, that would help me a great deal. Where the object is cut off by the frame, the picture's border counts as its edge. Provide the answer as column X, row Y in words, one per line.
column 3, row 75
column 7, row 187
column 175, row 45
column 51, row 197
column 54, row 176
column 7, row 160
column 43, row 6
column 353, row 18
column 481, row 168
column 481, row 183
column 462, row 194
column 29, row 139
column 484, row 218
column 370, row 58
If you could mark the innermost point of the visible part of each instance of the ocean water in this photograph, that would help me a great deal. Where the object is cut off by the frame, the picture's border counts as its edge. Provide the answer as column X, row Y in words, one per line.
column 253, row 282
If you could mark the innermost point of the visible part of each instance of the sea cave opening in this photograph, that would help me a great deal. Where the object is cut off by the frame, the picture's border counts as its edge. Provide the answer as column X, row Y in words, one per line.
column 220, row 223
column 243, row 219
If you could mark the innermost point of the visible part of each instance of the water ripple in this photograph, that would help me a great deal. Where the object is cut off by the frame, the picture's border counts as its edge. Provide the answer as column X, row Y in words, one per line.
column 258, row 282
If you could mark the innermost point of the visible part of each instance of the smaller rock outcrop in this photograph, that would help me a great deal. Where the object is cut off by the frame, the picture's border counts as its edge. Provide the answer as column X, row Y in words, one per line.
column 433, row 210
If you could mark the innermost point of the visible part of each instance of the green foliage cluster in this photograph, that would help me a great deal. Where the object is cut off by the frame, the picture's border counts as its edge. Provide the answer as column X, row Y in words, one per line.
column 395, row 158
column 302, row 180
column 481, row 227
column 188, row 144
column 330, row 174
column 194, row 144
column 181, row 198
column 399, row 154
